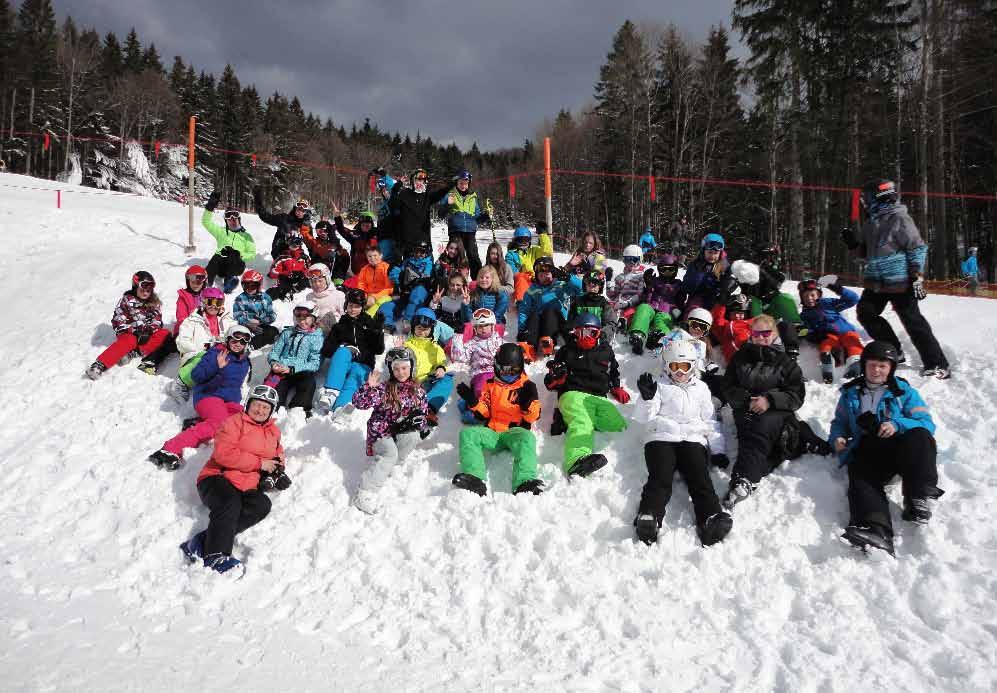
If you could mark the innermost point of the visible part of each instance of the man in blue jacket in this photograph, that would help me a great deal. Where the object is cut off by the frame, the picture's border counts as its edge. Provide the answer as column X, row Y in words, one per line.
column 894, row 273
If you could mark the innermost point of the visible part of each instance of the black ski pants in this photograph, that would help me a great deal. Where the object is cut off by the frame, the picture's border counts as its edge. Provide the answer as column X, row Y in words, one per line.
column 303, row 385
column 169, row 346
column 470, row 243
column 547, row 323
column 231, row 511
column 692, row 462
column 876, row 461
column 757, row 435
column 225, row 263
column 870, row 309
column 790, row 338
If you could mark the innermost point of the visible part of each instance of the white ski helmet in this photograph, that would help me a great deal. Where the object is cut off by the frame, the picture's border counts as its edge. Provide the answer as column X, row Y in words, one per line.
column 264, row 393
column 702, row 315
column 680, row 351
column 633, row 251
column 304, row 304
column 323, row 270
column 483, row 316
column 237, row 329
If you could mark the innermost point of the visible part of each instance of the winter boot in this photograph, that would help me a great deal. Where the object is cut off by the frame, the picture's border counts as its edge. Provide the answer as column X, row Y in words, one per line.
column 190, row 422
column 179, row 391
column 557, row 425
column 853, row 367
column 166, row 460
column 95, row 370
column 939, row 372
column 916, row 510
column 637, row 343
column 471, row 483
column 647, row 528
column 654, row 338
column 584, row 466
column 534, row 486
column 223, row 563
column 866, row 536
column 715, row 528
column 740, row 489
column 193, row 548
column 328, row 398
column 367, row 501
column 230, row 284
column 827, row 367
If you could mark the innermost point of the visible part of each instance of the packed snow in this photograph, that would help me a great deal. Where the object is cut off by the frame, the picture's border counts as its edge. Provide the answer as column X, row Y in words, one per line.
column 443, row 591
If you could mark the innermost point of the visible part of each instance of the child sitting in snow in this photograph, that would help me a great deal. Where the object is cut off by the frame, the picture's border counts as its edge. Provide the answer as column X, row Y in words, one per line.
column 682, row 434
column 479, row 353
column 489, row 294
column 627, row 287
column 290, row 270
column 592, row 301
column 374, row 281
column 247, row 446
column 352, row 344
column 543, row 309
column 325, row 248
column 202, row 329
column 507, row 406
column 138, row 326
column 189, row 298
column 521, row 256
column 431, row 362
column 706, row 274
column 398, row 421
column 328, row 299
column 731, row 324
column 453, row 307
column 659, row 306
column 253, row 309
column 296, row 357
column 453, row 260
column 827, row 327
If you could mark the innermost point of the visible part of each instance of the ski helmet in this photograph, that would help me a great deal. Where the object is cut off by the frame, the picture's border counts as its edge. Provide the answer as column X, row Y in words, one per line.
column 522, row 236
column 303, row 308
column 264, row 393
column 701, row 316
column 632, row 254
column 402, row 353
column 587, row 330
column 595, row 277
column 367, row 216
column 738, row 303
column 303, row 204
column 677, row 353
column 482, row 316
column 423, row 247
column 144, row 279
column 195, row 272
column 508, row 361
column 712, row 241
column 463, row 174
column 251, row 276
column 357, row 297
column 880, row 351
column 320, row 269
column 424, row 317
column 543, row 264
column 668, row 260
column 240, row 333
column 809, row 285
column 878, row 190
column 293, row 240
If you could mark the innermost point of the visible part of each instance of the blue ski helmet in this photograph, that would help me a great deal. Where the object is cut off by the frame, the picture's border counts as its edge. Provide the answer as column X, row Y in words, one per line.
column 588, row 320
column 424, row 317
column 463, row 174
column 712, row 241
column 522, row 232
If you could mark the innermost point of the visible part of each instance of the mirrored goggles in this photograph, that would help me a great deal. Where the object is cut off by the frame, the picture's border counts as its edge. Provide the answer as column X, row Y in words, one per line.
column 630, row 260
column 508, row 370
column 197, row 277
column 592, row 332
column 315, row 274
column 215, row 302
column 423, row 321
column 695, row 324
column 232, row 215
column 676, row 366
column 147, row 284
column 713, row 245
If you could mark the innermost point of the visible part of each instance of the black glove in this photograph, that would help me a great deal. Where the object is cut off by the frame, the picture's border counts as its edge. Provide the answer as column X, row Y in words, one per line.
column 541, row 227
column 142, row 335
column 465, row 392
column 561, row 274
column 869, row 423
column 647, row 386
column 557, row 369
column 648, row 276
column 849, row 238
column 720, row 460
column 727, row 286
column 212, row 202
column 379, row 319
column 609, row 274
column 527, row 396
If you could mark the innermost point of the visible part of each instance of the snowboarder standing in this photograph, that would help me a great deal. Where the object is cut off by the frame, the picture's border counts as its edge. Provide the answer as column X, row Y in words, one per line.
column 895, row 255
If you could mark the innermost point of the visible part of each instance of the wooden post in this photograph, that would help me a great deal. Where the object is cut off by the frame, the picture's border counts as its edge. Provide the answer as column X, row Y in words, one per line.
column 190, row 187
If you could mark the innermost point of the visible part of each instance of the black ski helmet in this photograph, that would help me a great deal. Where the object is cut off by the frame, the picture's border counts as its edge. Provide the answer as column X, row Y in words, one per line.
column 878, row 190
column 508, row 359
column 356, row 296
column 142, row 276
column 738, row 303
column 880, row 351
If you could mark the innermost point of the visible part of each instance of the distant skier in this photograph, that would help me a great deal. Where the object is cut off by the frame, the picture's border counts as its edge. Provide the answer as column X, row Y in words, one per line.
column 971, row 271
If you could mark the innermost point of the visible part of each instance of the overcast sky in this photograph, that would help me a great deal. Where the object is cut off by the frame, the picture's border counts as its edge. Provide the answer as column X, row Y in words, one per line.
column 456, row 71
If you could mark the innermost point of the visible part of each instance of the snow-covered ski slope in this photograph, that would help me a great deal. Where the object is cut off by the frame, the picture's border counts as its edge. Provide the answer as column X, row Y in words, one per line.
column 443, row 591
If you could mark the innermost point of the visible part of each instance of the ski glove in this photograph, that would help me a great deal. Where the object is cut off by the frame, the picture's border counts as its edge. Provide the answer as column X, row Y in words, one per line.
column 560, row 274
column 727, row 286
column 620, row 395
column 142, row 335
column 920, row 293
column 467, row 394
column 647, row 386
column 212, row 202
column 557, row 374
column 527, row 396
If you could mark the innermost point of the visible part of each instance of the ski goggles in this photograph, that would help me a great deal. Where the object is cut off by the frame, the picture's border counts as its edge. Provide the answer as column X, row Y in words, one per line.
column 302, row 205
column 700, row 325
column 232, row 215
column 240, row 338
column 713, row 245
column 423, row 321
column 508, row 369
column 316, row 274
column 197, row 277
column 591, row 332
column 760, row 333
column 216, row 302
column 483, row 314
column 630, row 260
column 676, row 366
column 303, row 313
column 146, row 284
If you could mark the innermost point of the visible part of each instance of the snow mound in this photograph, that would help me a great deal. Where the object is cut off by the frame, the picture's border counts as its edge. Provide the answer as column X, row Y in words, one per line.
column 442, row 590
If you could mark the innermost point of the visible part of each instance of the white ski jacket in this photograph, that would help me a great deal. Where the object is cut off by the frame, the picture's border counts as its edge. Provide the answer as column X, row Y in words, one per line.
column 679, row 413
column 194, row 334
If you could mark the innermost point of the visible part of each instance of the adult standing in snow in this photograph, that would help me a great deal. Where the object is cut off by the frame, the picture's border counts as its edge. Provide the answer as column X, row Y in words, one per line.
column 883, row 428
column 680, row 234
column 971, row 271
column 464, row 212
column 287, row 224
column 895, row 255
column 411, row 208
column 236, row 246
column 247, row 444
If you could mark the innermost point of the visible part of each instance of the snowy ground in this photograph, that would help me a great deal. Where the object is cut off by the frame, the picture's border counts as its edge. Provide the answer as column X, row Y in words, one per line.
column 442, row 591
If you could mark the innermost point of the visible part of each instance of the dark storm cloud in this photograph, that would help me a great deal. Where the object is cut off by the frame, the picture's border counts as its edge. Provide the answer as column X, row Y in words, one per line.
column 456, row 71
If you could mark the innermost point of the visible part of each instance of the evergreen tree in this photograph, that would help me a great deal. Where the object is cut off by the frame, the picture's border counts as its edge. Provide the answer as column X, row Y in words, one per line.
column 112, row 62
column 151, row 60
column 133, row 57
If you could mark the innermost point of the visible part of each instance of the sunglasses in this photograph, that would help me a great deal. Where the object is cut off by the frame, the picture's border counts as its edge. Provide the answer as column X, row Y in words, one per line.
column 240, row 339
column 197, row 277
column 216, row 302
column 676, row 366
column 232, row 215
column 147, row 284
column 761, row 333
column 698, row 325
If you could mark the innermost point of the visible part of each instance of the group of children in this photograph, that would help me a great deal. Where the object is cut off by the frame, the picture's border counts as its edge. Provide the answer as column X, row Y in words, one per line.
column 438, row 316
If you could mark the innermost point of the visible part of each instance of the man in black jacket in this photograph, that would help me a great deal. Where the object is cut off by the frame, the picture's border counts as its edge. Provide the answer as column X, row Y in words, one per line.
column 411, row 208
column 764, row 387
column 287, row 224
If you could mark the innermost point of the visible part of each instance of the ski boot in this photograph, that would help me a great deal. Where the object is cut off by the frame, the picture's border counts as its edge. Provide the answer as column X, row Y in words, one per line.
column 868, row 536
column 637, row 343
column 939, row 372
column 95, row 370
column 916, row 510
column 853, row 367
column 193, row 548
column 166, row 460
column 585, row 466
column 715, row 528
column 328, row 399
column 471, row 483
column 740, row 489
column 534, row 486
column 827, row 367
column 646, row 528
column 190, row 422
column 223, row 563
